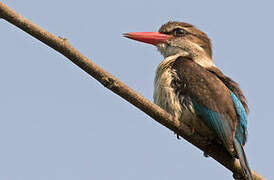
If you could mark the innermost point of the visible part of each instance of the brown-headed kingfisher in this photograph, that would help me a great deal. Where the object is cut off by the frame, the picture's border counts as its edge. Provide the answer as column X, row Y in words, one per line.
column 189, row 86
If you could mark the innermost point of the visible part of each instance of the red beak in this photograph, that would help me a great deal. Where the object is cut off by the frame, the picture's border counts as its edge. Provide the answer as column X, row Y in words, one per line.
column 148, row 37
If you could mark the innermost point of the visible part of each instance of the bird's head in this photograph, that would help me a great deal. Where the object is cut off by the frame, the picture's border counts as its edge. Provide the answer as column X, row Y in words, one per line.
column 179, row 37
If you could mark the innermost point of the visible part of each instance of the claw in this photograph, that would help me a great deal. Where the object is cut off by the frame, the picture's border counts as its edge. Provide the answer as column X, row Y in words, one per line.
column 238, row 176
column 206, row 155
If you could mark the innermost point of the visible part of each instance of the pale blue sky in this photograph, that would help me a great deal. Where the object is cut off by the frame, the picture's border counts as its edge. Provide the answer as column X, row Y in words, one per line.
column 58, row 123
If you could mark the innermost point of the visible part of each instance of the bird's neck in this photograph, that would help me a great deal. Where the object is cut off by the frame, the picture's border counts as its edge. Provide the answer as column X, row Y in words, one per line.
column 167, row 63
column 202, row 60
column 195, row 52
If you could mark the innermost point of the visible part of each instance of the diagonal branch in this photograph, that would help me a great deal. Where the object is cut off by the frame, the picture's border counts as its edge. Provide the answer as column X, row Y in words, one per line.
column 109, row 81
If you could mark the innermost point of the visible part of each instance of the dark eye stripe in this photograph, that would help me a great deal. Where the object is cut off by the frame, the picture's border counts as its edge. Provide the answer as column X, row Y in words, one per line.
column 178, row 32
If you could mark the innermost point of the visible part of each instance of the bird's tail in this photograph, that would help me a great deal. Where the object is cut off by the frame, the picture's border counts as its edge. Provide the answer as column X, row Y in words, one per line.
column 243, row 160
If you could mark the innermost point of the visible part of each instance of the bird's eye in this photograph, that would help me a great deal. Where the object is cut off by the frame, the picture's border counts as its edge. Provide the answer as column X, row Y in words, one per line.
column 179, row 32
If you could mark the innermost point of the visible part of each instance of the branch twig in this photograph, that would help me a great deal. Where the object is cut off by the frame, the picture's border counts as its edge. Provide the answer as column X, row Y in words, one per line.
column 109, row 81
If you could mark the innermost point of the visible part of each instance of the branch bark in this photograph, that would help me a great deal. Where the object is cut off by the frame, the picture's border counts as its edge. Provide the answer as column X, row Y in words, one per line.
column 109, row 81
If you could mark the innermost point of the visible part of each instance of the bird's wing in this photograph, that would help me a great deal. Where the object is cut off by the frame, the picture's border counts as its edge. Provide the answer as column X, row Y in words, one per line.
column 240, row 103
column 232, row 85
column 241, row 131
column 210, row 97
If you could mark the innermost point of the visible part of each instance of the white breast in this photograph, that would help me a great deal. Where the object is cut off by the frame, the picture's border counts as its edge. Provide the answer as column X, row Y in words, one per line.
column 165, row 97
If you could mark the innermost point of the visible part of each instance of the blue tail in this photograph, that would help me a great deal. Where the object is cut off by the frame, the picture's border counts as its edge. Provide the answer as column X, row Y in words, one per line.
column 243, row 160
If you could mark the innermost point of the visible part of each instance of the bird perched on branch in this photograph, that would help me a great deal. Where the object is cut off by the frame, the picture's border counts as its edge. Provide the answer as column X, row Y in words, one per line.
column 189, row 86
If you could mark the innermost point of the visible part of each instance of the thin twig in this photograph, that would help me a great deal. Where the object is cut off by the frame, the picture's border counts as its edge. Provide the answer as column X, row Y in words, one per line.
column 109, row 81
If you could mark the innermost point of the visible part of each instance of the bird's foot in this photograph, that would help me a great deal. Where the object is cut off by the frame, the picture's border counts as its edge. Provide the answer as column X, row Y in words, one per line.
column 190, row 131
column 238, row 176
column 206, row 142
column 206, row 155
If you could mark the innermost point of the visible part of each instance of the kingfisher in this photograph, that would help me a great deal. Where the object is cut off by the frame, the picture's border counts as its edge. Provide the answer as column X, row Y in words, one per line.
column 189, row 86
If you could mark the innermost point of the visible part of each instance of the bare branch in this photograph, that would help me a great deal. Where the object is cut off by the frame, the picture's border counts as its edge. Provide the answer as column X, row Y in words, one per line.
column 109, row 81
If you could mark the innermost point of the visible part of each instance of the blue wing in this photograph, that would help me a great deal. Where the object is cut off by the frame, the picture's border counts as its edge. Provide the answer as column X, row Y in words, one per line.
column 241, row 131
column 241, row 135
column 219, row 122
column 216, row 122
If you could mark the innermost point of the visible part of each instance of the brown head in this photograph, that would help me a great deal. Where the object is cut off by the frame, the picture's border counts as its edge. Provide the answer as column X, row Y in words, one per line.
column 176, row 37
